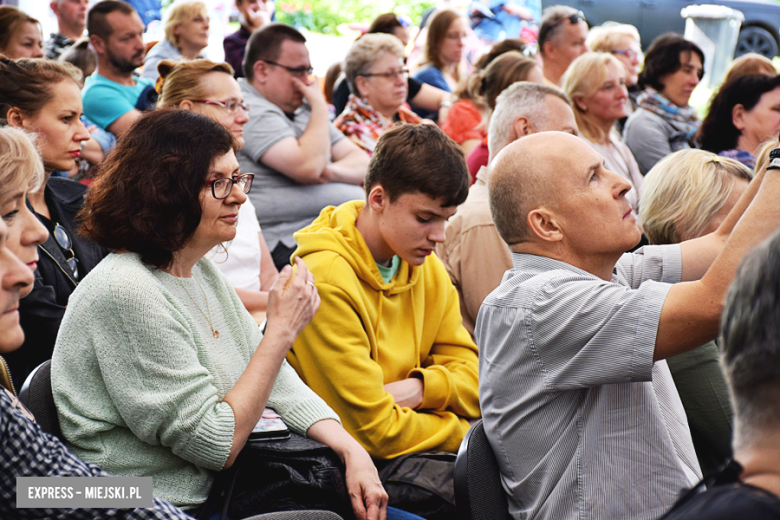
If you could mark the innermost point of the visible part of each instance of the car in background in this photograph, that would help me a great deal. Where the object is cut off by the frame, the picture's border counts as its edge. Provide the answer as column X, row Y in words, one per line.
column 759, row 32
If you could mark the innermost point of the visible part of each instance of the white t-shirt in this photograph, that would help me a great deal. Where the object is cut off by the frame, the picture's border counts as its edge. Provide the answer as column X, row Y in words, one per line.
column 241, row 262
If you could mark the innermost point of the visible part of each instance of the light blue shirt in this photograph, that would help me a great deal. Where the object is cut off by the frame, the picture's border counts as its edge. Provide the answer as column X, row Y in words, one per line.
column 105, row 101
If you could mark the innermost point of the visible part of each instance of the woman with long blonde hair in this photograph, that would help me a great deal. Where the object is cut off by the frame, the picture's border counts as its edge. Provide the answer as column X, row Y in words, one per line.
column 596, row 85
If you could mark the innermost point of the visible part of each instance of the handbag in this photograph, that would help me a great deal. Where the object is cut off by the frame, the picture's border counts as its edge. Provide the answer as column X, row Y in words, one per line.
column 293, row 474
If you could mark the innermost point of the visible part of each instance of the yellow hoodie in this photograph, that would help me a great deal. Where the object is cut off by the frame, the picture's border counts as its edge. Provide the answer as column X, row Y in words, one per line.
column 368, row 333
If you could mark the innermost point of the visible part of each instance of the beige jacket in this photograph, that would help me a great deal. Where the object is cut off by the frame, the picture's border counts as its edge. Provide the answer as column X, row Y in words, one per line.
column 473, row 253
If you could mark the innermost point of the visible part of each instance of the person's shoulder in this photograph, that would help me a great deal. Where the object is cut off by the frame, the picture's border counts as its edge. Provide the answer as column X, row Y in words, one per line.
column 427, row 73
column 725, row 502
column 66, row 190
column 330, row 267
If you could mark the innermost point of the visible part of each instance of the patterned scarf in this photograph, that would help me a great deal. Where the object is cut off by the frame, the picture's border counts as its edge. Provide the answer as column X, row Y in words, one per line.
column 682, row 119
column 363, row 124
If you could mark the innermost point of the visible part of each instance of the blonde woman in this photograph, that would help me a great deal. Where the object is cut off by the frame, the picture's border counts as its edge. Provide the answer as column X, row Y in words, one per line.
column 209, row 89
column 467, row 121
column 596, row 85
column 186, row 35
column 685, row 196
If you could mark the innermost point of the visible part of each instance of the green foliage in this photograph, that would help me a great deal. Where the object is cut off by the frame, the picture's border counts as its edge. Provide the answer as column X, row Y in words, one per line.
column 324, row 16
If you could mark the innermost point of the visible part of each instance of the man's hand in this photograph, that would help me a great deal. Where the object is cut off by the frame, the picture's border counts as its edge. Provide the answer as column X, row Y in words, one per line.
column 311, row 93
column 408, row 393
column 259, row 15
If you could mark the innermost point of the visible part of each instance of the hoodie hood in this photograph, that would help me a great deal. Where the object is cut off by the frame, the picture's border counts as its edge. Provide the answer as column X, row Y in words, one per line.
column 335, row 230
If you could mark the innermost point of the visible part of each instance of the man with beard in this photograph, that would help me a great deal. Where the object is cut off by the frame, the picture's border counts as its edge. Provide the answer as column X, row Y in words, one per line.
column 113, row 96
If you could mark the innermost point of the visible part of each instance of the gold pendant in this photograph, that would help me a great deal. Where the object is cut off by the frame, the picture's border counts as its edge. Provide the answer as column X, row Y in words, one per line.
column 216, row 333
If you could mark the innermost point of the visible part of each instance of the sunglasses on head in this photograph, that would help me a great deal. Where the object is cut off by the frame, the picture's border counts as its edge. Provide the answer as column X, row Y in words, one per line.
column 575, row 18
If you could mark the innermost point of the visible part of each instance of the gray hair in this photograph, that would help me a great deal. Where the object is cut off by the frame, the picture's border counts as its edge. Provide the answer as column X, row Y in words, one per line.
column 750, row 341
column 520, row 99
column 551, row 24
column 365, row 52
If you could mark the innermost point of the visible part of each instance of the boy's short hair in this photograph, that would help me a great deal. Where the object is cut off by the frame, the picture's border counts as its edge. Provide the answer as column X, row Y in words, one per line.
column 419, row 158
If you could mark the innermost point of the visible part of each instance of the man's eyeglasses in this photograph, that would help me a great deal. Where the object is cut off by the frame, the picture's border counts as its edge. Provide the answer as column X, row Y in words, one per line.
column 63, row 240
column 221, row 188
column 298, row 72
column 628, row 53
column 230, row 106
column 403, row 73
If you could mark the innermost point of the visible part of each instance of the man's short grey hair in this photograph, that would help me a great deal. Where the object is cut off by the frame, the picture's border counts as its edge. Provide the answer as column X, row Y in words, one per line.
column 551, row 25
column 750, row 342
column 519, row 99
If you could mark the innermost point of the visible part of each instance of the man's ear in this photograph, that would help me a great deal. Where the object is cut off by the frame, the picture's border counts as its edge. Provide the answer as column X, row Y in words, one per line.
column 523, row 127
column 543, row 223
column 260, row 71
column 549, row 49
column 15, row 118
column 738, row 117
column 55, row 7
column 377, row 198
column 97, row 43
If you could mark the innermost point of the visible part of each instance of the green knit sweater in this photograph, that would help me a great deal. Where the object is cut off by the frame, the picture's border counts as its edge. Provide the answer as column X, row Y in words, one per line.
column 138, row 377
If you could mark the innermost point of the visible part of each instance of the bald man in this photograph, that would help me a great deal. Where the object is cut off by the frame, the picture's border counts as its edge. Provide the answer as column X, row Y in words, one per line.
column 577, row 401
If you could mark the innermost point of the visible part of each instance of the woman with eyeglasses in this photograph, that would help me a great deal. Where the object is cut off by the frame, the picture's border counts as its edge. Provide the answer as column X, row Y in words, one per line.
column 208, row 88
column 375, row 70
column 159, row 370
column 444, row 64
column 43, row 97
column 186, row 36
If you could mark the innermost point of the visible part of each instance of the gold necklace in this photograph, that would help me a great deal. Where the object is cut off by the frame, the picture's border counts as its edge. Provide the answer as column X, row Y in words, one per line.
column 214, row 332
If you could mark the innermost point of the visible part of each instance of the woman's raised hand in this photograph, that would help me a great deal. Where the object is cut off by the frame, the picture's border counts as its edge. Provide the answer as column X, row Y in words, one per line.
column 292, row 302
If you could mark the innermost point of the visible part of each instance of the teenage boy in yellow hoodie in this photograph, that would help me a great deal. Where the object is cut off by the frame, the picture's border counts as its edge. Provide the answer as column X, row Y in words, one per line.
column 387, row 349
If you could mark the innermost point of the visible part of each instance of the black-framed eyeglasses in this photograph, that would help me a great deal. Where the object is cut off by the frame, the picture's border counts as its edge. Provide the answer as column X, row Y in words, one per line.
column 221, row 188
column 62, row 237
column 230, row 106
column 391, row 74
column 299, row 72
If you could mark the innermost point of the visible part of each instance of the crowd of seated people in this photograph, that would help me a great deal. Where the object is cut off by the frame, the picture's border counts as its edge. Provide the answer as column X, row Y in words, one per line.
column 235, row 246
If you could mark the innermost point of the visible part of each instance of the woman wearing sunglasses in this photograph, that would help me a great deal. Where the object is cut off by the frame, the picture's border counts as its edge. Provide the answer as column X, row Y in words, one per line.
column 376, row 73
column 208, row 88
column 159, row 370
column 43, row 97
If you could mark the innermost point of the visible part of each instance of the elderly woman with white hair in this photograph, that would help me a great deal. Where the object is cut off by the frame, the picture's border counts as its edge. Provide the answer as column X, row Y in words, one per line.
column 376, row 73
column 186, row 35
column 685, row 196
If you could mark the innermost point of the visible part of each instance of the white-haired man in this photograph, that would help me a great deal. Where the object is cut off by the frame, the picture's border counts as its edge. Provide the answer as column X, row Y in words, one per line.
column 473, row 252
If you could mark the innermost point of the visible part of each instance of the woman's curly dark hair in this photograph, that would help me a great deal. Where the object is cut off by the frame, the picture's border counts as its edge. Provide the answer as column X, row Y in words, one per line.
column 146, row 198
column 717, row 131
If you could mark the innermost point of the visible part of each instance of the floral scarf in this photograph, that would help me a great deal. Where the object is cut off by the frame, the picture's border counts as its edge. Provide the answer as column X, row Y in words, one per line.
column 682, row 119
column 363, row 124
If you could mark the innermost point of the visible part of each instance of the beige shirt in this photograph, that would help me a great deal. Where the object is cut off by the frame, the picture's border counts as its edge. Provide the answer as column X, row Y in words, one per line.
column 474, row 254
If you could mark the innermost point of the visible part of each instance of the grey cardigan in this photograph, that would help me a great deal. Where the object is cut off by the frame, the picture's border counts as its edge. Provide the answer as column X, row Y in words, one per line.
column 650, row 138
